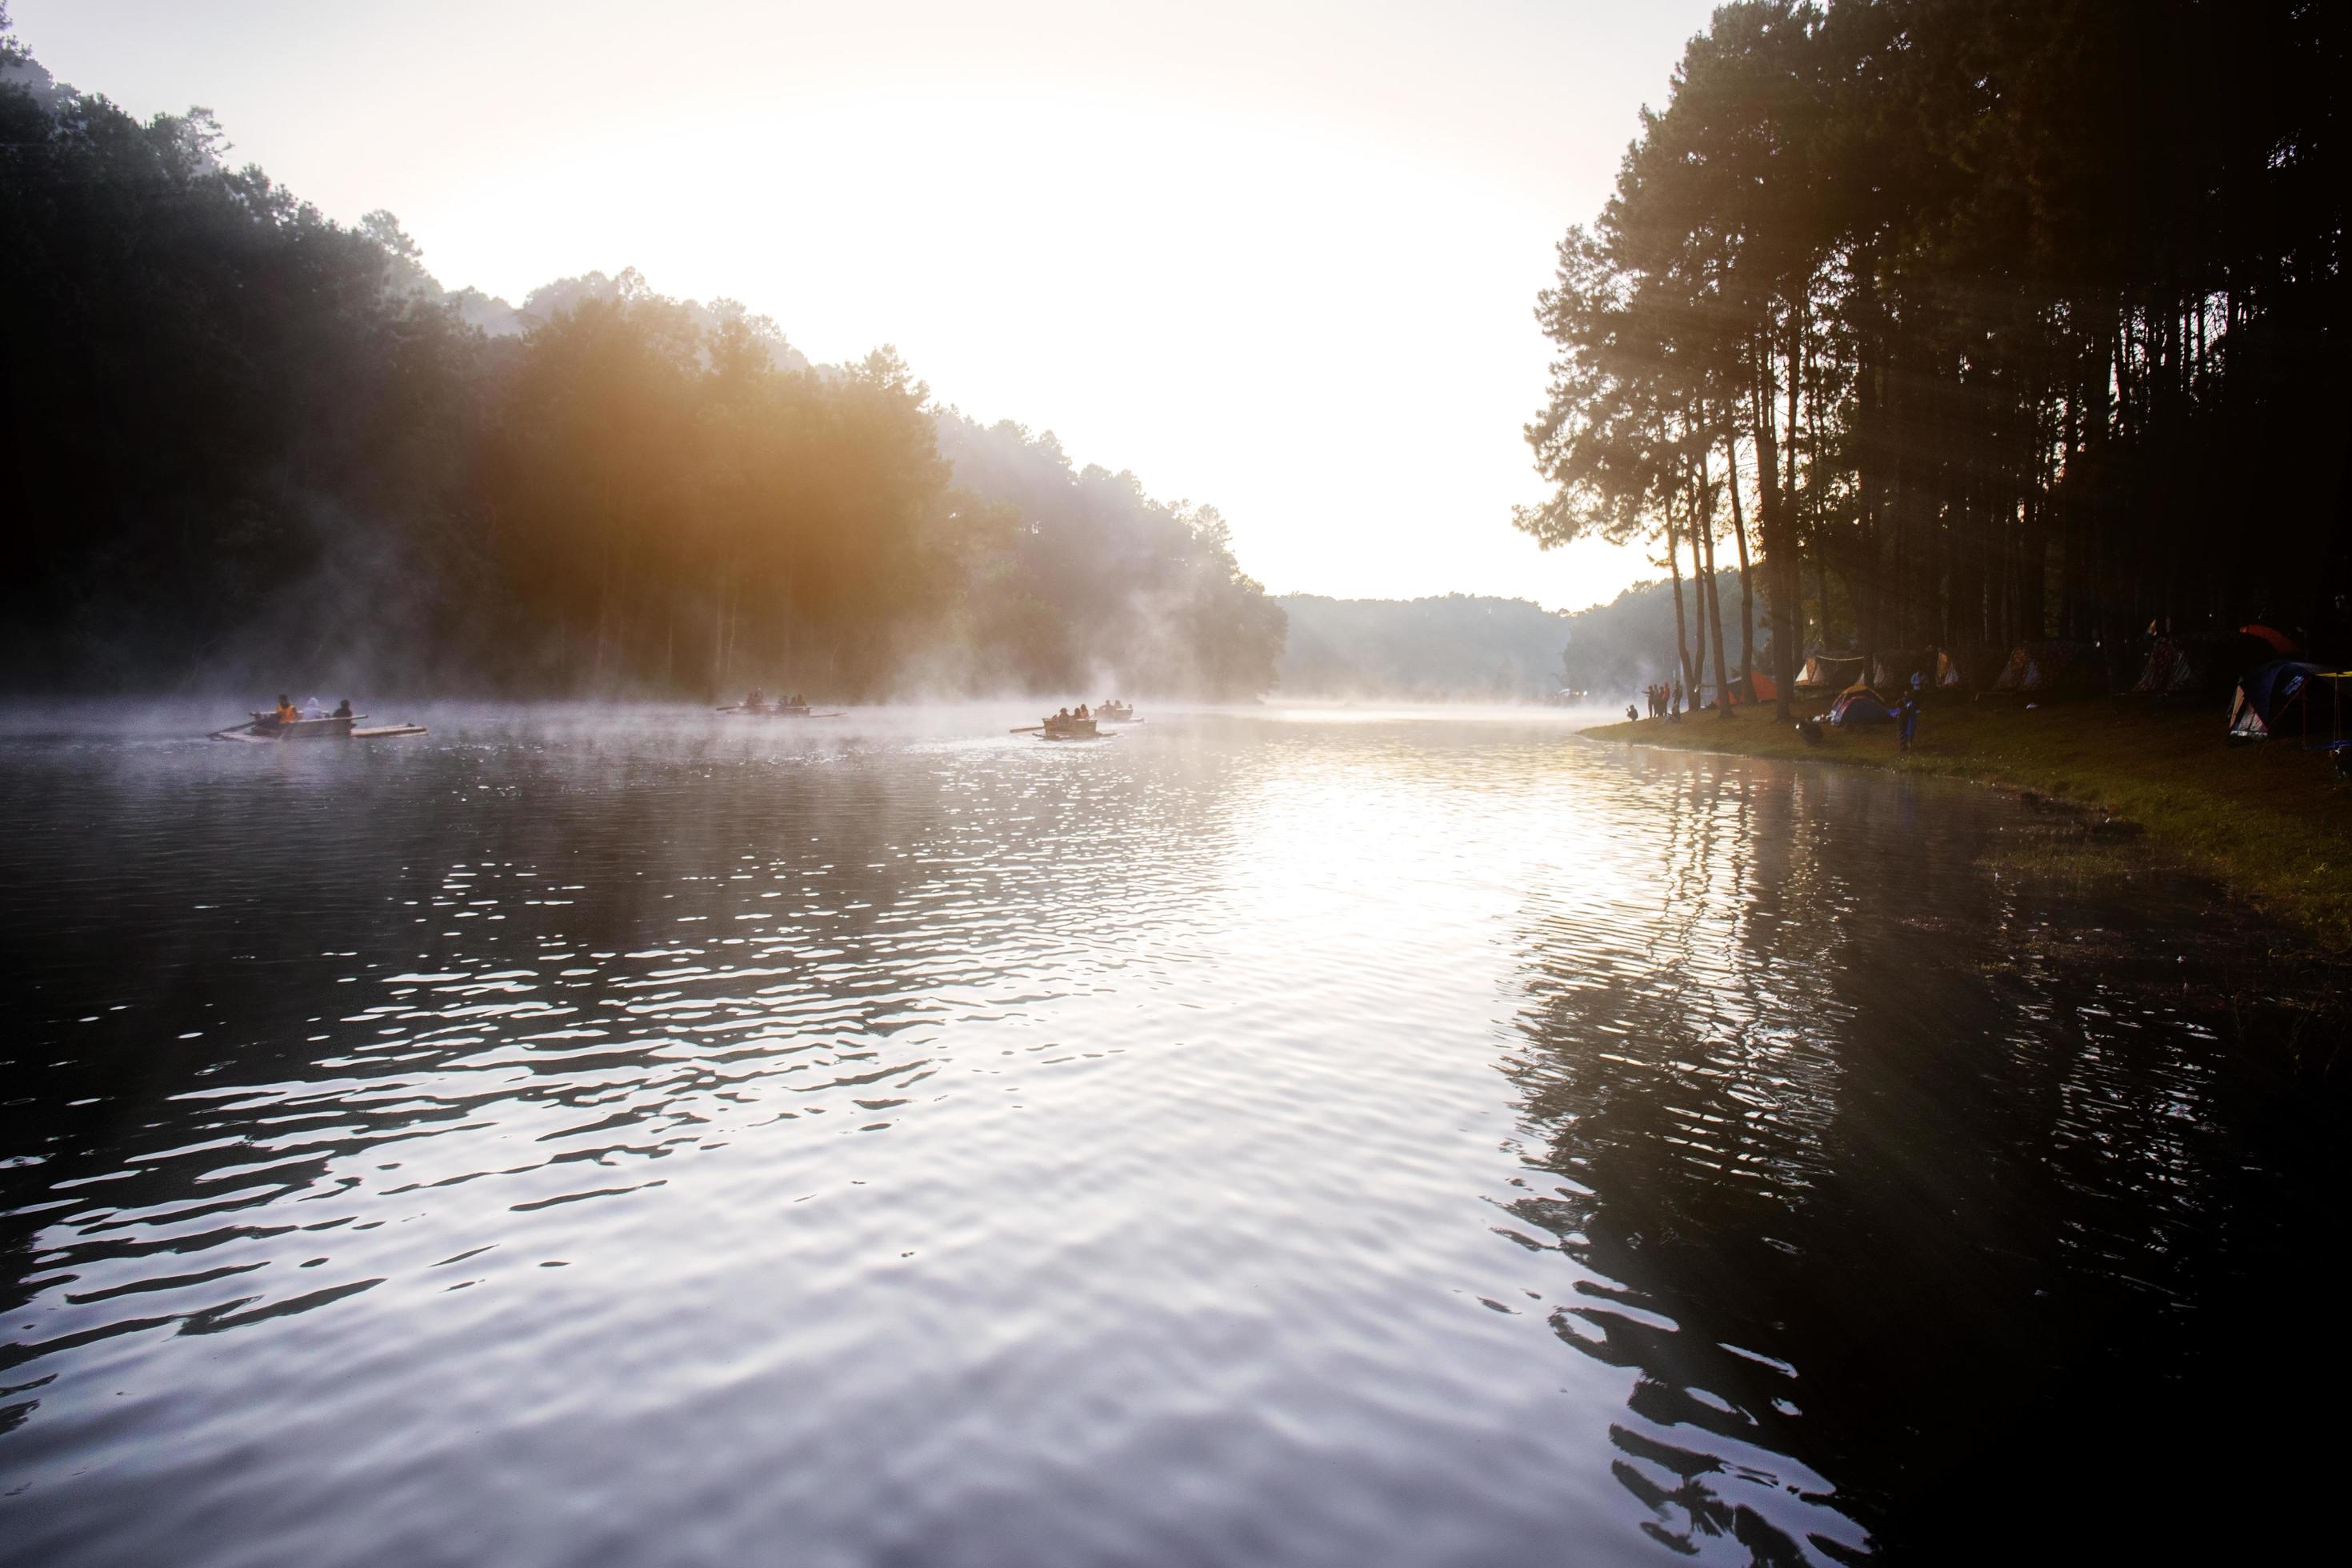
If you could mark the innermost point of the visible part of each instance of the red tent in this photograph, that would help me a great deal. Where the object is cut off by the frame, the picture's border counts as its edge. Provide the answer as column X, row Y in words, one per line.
column 1766, row 691
column 2282, row 644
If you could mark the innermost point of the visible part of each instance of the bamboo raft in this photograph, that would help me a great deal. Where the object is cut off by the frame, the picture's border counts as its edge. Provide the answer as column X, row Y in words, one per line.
column 779, row 710
column 266, row 730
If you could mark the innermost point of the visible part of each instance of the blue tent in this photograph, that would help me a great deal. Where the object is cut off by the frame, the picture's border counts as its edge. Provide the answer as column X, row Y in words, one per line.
column 1858, row 704
column 2279, row 699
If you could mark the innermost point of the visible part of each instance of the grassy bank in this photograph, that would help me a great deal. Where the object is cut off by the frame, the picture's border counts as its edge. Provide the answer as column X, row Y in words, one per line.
column 2267, row 820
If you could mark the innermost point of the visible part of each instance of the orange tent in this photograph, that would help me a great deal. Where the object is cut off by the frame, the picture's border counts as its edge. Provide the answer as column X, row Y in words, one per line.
column 2281, row 644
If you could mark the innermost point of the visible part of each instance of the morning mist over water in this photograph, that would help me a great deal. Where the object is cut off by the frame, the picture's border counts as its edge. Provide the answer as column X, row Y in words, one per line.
column 1005, row 785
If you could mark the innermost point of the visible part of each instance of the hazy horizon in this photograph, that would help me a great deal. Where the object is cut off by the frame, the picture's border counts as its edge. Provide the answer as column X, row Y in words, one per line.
column 1286, row 270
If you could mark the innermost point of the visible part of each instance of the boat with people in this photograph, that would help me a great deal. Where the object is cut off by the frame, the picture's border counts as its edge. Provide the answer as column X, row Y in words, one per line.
column 312, row 721
column 1067, row 725
column 758, row 704
column 1111, row 710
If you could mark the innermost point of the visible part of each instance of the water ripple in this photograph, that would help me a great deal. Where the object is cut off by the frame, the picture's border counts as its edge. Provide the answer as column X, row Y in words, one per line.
column 592, row 1137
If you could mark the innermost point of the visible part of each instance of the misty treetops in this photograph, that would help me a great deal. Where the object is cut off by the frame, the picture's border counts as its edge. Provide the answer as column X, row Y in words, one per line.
column 245, row 442
column 2003, row 321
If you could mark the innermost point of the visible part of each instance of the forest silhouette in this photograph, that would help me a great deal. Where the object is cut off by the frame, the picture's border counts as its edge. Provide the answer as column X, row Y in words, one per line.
column 1983, row 323
column 247, row 443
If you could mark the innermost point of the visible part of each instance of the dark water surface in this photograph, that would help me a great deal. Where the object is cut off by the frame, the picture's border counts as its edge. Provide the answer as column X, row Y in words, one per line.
column 1270, row 1139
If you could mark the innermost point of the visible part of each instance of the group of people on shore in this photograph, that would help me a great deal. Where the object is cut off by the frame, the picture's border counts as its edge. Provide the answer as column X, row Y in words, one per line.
column 1666, row 701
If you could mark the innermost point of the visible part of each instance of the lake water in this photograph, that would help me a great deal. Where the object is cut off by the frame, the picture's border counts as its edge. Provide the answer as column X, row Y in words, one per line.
column 578, row 1137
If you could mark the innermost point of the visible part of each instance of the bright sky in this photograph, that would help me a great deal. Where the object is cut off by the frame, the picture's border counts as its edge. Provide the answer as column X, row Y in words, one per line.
column 1277, row 255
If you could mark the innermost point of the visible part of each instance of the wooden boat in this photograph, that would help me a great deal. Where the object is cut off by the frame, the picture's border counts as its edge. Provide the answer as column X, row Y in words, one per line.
column 777, row 710
column 1116, row 712
column 1060, row 729
column 267, row 727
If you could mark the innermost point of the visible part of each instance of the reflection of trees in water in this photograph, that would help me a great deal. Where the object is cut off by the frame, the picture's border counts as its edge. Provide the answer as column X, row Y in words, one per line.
column 1674, row 1095
column 1887, row 1232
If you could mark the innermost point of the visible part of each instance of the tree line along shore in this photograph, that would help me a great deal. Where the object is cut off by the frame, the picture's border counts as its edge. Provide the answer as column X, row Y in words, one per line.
column 247, row 444
column 1956, row 327
column 1941, row 334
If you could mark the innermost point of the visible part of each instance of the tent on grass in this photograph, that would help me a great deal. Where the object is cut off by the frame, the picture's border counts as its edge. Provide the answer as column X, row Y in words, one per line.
column 1858, row 704
column 1949, row 675
column 1893, row 671
column 2200, row 662
column 2280, row 643
column 1766, row 689
column 1832, row 671
column 2291, row 701
column 2051, row 666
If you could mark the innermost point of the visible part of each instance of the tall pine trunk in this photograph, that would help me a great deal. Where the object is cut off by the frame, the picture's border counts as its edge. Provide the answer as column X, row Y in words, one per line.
column 2033, row 570
column 1674, row 568
column 1705, row 534
column 1747, row 582
column 1780, row 550
column 603, row 614
column 718, row 638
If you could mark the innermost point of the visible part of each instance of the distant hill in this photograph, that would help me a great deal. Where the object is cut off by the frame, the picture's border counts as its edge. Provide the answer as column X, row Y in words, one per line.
column 1465, row 648
column 1432, row 649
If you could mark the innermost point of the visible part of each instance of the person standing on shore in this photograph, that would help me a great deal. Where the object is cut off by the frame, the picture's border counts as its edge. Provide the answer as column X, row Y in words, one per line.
column 1906, row 713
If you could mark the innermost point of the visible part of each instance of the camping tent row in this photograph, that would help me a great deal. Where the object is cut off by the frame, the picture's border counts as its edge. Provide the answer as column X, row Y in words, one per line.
column 1891, row 671
column 1832, row 671
column 2046, row 666
column 2284, row 697
column 2185, row 662
column 1932, row 665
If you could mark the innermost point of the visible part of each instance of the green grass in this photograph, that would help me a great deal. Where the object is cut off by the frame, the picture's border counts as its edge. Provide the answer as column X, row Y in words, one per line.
column 2267, row 820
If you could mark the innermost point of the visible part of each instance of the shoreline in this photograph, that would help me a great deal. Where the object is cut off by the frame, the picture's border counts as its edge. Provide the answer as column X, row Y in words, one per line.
column 2265, row 821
